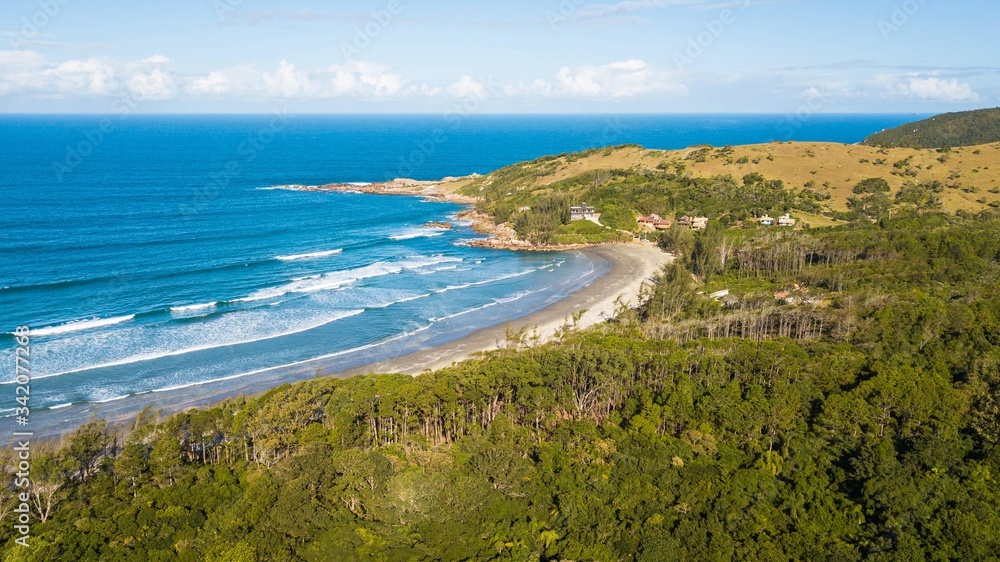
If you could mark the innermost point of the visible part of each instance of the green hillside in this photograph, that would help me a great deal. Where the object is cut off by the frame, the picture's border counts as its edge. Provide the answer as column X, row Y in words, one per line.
column 843, row 404
column 949, row 130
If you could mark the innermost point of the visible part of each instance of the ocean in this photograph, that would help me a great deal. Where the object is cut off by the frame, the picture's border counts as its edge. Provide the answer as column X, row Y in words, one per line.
column 154, row 254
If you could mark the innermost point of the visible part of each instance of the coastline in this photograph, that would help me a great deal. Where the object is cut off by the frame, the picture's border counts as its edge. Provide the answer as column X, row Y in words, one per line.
column 626, row 268
column 501, row 236
column 632, row 265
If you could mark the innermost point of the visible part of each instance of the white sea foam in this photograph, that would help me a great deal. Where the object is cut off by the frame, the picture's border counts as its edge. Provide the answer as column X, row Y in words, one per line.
column 310, row 256
column 417, row 233
column 80, row 325
column 495, row 302
column 61, row 406
column 193, row 307
column 462, row 313
column 338, row 279
column 296, row 363
column 484, row 282
column 287, row 187
column 176, row 352
column 400, row 301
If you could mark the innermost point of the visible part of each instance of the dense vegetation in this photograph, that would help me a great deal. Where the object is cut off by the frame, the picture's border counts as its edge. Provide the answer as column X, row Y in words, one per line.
column 949, row 130
column 537, row 209
column 842, row 404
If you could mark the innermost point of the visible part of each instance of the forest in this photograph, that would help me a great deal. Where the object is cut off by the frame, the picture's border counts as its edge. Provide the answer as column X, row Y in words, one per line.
column 841, row 403
column 950, row 130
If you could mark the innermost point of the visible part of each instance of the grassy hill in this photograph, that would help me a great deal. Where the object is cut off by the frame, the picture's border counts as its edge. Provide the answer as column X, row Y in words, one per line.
column 943, row 131
column 813, row 181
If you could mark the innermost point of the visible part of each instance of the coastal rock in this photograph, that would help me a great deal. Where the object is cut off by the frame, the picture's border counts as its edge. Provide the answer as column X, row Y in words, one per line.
column 440, row 225
column 501, row 236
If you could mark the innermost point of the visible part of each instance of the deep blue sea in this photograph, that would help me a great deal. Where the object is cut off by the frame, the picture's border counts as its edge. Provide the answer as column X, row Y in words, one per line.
column 152, row 253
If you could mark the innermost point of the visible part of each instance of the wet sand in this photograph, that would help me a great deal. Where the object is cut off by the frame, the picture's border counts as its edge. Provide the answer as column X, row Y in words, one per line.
column 632, row 265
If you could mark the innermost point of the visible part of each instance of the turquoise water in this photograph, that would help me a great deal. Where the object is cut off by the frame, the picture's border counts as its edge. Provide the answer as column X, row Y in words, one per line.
column 151, row 254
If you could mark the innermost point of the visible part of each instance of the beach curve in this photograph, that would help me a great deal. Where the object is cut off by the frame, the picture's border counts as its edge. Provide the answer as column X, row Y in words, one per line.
column 628, row 268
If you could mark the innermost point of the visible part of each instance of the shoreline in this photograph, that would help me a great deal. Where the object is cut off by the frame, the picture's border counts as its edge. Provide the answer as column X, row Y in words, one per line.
column 501, row 236
column 632, row 266
column 626, row 268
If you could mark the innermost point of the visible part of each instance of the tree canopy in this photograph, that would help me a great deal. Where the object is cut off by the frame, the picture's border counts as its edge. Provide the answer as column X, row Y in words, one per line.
column 842, row 405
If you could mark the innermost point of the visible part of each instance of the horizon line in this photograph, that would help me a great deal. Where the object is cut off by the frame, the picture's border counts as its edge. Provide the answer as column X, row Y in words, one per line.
column 484, row 114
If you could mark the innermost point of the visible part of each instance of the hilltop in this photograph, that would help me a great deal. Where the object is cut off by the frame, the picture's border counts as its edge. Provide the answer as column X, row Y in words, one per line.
column 949, row 130
column 526, row 206
column 816, row 182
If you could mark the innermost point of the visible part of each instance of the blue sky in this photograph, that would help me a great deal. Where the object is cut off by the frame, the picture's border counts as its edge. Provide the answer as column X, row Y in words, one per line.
column 518, row 56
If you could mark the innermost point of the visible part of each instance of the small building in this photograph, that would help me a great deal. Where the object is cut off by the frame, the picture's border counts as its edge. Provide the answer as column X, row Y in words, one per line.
column 663, row 224
column 582, row 212
column 786, row 220
column 719, row 295
column 694, row 223
column 648, row 221
column 766, row 221
column 655, row 222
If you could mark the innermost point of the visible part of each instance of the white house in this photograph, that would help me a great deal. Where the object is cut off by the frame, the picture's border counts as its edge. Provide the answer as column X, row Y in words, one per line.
column 786, row 220
column 582, row 212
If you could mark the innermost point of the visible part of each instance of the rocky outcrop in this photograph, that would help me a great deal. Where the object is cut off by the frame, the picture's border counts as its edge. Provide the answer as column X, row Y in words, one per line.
column 501, row 236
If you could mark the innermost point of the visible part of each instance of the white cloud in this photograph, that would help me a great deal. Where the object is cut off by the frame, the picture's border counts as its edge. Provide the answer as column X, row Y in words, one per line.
column 537, row 88
column 352, row 79
column 467, row 87
column 94, row 76
column 156, row 59
column 20, row 60
column 153, row 78
column 616, row 80
column 430, row 91
column 286, row 82
column 28, row 73
column 216, row 83
column 925, row 87
column 364, row 78
column 156, row 85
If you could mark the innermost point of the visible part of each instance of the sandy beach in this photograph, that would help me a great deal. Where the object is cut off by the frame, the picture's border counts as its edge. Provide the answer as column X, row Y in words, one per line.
column 626, row 268
column 632, row 265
